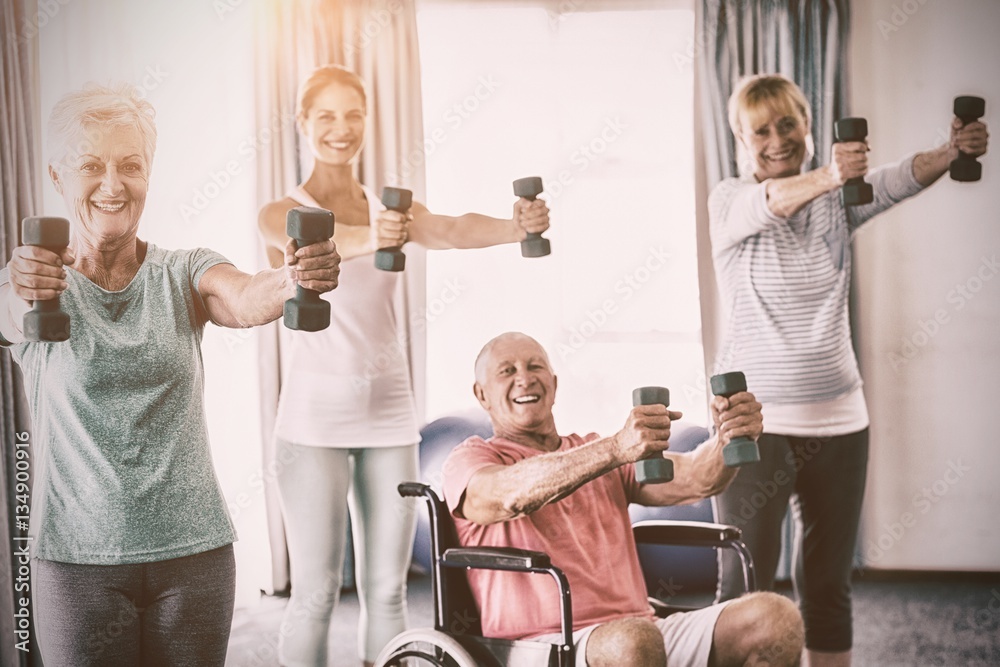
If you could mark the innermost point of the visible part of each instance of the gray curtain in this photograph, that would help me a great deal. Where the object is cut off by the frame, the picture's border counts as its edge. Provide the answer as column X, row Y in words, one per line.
column 20, row 194
column 805, row 40
column 377, row 39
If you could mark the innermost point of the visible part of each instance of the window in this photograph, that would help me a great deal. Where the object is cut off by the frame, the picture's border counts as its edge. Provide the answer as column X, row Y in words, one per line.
column 598, row 101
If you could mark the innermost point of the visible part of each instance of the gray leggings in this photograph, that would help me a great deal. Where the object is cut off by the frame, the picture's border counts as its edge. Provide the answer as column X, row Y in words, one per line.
column 171, row 612
column 317, row 485
column 825, row 478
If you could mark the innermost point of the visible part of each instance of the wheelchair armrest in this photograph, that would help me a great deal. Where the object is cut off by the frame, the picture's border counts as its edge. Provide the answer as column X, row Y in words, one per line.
column 685, row 533
column 497, row 558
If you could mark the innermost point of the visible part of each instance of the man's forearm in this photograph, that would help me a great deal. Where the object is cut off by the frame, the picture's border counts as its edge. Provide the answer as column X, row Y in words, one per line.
column 508, row 492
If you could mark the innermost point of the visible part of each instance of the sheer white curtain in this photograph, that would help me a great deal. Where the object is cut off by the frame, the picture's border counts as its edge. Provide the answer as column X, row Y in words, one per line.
column 378, row 40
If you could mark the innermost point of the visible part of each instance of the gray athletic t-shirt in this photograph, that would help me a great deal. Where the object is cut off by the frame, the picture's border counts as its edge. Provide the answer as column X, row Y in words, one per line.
column 123, row 470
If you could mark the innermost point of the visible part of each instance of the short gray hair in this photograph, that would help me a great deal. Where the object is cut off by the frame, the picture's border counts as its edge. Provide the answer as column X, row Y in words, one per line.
column 118, row 104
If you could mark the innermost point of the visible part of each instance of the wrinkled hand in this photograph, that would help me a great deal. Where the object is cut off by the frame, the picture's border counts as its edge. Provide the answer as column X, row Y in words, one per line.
column 646, row 432
column 739, row 415
column 315, row 266
column 392, row 229
column 970, row 139
column 849, row 159
column 37, row 273
column 530, row 217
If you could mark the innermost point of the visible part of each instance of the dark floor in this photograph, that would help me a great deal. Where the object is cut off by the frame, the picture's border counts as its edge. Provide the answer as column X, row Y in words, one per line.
column 934, row 620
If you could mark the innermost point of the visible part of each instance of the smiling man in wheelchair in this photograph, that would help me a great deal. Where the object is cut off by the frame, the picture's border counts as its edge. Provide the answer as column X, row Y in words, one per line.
column 568, row 496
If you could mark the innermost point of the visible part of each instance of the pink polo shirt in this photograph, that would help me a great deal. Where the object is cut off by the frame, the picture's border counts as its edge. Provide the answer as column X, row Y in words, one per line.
column 587, row 534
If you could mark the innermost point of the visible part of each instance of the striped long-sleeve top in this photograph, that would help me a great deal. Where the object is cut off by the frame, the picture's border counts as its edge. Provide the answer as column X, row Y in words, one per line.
column 785, row 283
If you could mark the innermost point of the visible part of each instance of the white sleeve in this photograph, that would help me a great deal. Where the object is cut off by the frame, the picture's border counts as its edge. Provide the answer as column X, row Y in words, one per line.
column 737, row 211
column 12, row 310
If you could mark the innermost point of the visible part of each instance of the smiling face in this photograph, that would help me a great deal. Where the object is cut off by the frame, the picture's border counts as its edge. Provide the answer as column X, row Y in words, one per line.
column 776, row 138
column 515, row 385
column 103, row 181
column 334, row 124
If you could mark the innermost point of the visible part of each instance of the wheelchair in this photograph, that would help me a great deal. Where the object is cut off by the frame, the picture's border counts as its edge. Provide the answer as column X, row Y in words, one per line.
column 456, row 639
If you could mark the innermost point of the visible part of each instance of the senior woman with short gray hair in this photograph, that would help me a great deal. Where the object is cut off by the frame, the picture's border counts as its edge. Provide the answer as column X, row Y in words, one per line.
column 133, row 542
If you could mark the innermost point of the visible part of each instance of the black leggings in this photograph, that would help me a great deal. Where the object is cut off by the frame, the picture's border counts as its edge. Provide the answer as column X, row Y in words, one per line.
column 825, row 479
column 172, row 612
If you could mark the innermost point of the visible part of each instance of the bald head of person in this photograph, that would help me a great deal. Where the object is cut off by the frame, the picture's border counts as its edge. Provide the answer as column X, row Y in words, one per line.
column 516, row 386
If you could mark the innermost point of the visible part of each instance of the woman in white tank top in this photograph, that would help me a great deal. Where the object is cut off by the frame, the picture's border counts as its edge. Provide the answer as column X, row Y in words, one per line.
column 346, row 429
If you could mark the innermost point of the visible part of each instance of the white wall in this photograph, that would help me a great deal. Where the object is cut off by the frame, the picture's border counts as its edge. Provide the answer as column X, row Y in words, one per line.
column 930, row 355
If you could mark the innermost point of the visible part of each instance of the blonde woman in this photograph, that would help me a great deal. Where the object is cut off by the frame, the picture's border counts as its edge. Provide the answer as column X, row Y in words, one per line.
column 781, row 245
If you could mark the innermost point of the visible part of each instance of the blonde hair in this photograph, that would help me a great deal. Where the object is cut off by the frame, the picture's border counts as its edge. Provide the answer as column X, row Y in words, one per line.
column 320, row 78
column 761, row 96
column 119, row 104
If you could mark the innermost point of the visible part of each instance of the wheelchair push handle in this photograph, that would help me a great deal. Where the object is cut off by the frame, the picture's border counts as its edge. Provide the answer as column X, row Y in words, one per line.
column 413, row 489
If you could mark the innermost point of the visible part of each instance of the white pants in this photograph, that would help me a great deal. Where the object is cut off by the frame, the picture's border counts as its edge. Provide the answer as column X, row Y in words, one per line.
column 316, row 487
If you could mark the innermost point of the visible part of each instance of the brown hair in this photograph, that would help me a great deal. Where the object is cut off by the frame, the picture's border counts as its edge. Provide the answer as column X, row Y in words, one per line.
column 320, row 78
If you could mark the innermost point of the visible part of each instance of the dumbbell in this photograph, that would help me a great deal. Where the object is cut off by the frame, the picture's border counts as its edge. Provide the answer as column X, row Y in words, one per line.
column 655, row 468
column 855, row 191
column 740, row 450
column 966, row 168
column 399, row 200
column 306, row 311
column 535, row 245
column 46, row 322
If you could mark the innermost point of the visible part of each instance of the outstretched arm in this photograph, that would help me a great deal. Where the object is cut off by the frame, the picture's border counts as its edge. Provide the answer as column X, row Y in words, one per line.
column 474, row 230
column 351, row 240
column 931, row 165
column 239, row 300
column 505, row 492
column 786, row 196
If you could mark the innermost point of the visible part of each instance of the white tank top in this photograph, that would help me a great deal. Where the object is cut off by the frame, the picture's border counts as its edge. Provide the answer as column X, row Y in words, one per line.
column 349, row 385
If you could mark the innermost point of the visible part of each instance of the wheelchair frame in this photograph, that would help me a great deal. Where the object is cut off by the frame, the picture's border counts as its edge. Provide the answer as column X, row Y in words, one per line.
column 460, row 643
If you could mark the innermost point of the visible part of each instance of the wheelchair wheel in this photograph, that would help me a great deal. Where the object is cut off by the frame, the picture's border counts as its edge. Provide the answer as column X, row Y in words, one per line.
column 424, row 647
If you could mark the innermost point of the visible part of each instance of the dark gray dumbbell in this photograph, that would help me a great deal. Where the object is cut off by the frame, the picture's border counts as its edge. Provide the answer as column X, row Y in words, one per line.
column 399, row 200
column 535, row 245
column 654, row 469
column 966, row 168
column 740, row 450
column 46, row 322
column 306, row 311
column 855, row 191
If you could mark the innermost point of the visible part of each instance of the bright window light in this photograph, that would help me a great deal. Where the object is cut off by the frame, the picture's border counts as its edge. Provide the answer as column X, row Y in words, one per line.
column 596, row 102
